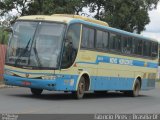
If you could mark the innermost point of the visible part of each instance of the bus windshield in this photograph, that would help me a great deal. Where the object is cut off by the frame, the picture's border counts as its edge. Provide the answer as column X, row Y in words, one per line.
column 35, row 44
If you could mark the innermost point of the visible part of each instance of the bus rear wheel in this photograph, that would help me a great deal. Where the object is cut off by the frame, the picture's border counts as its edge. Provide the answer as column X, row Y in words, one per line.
column 80, row 90
column 36, row 91
column 135, row 91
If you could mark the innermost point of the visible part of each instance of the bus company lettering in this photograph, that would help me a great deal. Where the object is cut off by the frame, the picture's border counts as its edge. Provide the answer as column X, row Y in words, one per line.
column 125, row 62
column 121, row 61
column 114, row 60
column 100, row 58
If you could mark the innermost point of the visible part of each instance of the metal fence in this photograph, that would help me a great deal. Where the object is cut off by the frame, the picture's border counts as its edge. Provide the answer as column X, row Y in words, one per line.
column 2, row 60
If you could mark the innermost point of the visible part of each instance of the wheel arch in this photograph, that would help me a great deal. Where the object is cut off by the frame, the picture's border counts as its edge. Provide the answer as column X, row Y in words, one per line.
column 139, row 78
column 86, row 75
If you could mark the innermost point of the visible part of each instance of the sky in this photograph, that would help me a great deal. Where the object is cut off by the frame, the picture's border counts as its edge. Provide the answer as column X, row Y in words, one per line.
column 153, row 28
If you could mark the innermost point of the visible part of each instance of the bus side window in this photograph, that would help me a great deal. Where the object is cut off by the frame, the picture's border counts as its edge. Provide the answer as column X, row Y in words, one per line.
column 105, row 40
column 111, row 41
column 102, row 40
column 115, row 42
column 133, row 46
column 146, row 48
column 91, row 38
column 126, row 45
column 99, row 42
column 137, row 48
column 130, row 42
column 88, row 38
column 85, row 37
column 154, row 52
column 71, row 45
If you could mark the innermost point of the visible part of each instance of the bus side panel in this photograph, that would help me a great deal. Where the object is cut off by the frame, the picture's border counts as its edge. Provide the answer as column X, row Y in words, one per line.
column 120, row 76
column 148, row 84
column 112, row 83
column 67, row 83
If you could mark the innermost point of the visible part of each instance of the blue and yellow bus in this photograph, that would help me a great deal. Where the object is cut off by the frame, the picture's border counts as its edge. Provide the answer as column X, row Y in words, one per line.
column 77, row 54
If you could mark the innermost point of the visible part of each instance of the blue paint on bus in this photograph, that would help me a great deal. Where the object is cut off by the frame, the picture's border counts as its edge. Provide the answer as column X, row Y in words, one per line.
column 63, row 84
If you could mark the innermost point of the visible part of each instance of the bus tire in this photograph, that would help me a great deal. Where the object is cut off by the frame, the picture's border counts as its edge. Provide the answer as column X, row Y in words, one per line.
column 36, row 92
column 81, row 89
column 136, row 89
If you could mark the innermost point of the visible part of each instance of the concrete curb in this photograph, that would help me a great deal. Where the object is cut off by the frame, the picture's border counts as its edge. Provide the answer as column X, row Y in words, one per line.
column 6, row 86
column 2, row 86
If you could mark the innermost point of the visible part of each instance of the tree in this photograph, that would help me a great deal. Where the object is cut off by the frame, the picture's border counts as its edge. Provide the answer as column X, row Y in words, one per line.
column 20, row 6
column 3, row 36
column 129, row 15
column 96, row 6
column 7, row 6
column 56, row 6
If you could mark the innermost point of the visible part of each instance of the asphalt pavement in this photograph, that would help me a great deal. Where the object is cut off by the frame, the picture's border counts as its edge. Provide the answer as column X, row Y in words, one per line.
column 19, row 100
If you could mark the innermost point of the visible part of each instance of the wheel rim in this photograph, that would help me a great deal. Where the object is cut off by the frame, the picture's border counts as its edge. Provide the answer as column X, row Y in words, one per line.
column 136, row 90
column 81, row 88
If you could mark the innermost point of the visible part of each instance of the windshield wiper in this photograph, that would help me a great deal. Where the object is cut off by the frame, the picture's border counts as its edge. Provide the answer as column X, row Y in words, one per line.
column 37, row 57
column 22, row 53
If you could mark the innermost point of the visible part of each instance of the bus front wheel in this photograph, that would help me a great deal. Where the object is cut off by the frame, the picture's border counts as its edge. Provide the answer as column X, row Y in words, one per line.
column 80, row 90
column 36, row 91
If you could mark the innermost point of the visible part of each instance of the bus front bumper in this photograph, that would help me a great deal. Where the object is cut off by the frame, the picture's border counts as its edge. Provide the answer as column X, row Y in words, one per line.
column 56, row 84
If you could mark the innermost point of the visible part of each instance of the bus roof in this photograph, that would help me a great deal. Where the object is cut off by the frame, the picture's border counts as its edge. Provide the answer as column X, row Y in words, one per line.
column 67, row 18
column 83, row 18
column 46, row 18
column 63, row 18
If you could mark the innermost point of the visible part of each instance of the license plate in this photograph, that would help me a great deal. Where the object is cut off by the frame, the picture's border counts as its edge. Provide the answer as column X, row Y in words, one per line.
column 26, row 83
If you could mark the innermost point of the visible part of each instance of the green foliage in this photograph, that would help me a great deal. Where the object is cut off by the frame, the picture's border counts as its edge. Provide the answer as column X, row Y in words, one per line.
column 8, row 5
column 129, row 15
column 3, row 36
column 56, row 6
